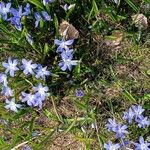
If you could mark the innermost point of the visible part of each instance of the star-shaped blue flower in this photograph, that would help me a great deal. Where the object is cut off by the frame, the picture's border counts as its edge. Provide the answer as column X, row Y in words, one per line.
column 138, row 110
column 3, row 79
column 28, row 67
column 29, row 98
column 79, row 93
column 121, row 131
column 111, row 146
column 67, row 62
column 11, row 66
column 63, row 45
column 111, row 125
column 4, row 9
column 10, row 104
column 42, row 72
column 142, row 121
column 41, row 91
column 142, row 145
column 7, row 91
column 129, row 115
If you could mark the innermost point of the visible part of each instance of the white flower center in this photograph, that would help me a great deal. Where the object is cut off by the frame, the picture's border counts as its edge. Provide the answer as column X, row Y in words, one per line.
column 41, row 91
column 143, row 146
column 5, row 10
column 12, row 66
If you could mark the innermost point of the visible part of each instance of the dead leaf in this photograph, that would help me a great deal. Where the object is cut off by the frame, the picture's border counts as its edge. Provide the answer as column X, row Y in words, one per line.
column 68, row 31
column 140, row 20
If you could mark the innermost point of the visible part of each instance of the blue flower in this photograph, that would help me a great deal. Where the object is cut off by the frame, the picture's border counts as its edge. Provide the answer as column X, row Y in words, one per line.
column 11, row 66
column 28, row 67
column 67, row 62
column 111, row 125
column 12, row 105
column 142, row 121
column 68, row 52
column 67, row 7
column 111, row 146
column 4, row 10
column 17, row 15
column 45, row 2
column 46, row 16
column 41, row 91
column 138, row 110
column 16, row 21
column 79, row 93
column 7, row 91
column 29, row 98
column 142, row 145
column 3, row 79
column 121, row 131
column 27, row 10
column 26, row 148
column 38, row 18
column 35, row 134
column 129, row 115
column 42, row 72
column 62, row 44
column 29, row 39
column 38, row 101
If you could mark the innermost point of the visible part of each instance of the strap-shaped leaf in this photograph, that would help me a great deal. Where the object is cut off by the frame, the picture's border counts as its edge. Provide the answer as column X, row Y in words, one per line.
column 132, row 5
column 37, row 3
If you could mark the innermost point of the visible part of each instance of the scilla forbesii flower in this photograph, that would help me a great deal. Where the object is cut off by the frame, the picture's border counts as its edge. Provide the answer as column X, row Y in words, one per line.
column 3, row 79
column 46, row 2
column 63, row 45
column 41, row 91
column 7, row 91
column 142, row 145
column 129, row 115
column 67, row 62
column 28, row 67
column 18, row 14
column 29, row 98
column 42, row 72
column 111, row 146
column 12, row 105
column 46, row 16
column 4, row 9
column 11, row 66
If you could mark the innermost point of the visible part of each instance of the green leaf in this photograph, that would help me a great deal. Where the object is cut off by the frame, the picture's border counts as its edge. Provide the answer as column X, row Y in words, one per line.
column 37, row 3
column 50, row 115
column 132, row 5
column 146, row 97
column 70, row 127
column 129, row 96
column 80, row 105
column 147, row 1
column 56, row 25
column 95, row 8
column 5, row 30
column 46, row 49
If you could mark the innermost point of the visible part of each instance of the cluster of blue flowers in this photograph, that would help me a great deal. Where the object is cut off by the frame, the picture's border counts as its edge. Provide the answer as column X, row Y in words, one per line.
column 66, row 54
column 39, row 93
column 17, row 14
column 134, row 113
